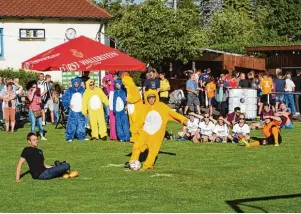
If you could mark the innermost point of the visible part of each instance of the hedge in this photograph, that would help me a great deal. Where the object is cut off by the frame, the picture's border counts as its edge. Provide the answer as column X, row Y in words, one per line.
column 24, row 76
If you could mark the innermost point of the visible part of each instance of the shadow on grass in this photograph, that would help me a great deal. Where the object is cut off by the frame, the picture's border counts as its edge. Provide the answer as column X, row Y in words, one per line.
column 144, row 154
column 238, row 203
column 24, row 173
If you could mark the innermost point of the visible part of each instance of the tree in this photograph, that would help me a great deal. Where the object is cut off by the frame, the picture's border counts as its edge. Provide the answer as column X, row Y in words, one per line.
column 152, row 32
column 244, row 6
column 209, row 7
column 231, row 30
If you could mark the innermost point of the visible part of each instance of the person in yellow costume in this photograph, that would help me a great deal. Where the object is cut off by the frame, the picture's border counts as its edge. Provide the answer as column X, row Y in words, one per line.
column 152, row 123
column 134, row 105
column 93, row 101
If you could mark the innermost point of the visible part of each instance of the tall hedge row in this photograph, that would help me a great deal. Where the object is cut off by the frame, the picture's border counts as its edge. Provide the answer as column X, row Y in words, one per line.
column 24, row 76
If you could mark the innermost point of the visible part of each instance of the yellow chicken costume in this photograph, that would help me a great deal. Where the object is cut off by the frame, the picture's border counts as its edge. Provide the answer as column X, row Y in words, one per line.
column 93, row 100
column 134, row 105
column 152, row 123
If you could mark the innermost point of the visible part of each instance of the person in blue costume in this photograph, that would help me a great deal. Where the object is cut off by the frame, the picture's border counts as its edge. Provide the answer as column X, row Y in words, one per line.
column 119, row 108
column 72, row 100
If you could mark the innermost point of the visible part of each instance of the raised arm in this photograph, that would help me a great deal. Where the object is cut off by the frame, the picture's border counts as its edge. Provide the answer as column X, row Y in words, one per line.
column 176, row 116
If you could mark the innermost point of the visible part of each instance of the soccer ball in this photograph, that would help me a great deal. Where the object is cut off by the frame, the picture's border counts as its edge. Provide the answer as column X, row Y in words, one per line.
column 135, row 165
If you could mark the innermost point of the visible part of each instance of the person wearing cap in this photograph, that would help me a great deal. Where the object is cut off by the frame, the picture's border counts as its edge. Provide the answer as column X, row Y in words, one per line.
column 92, row 105
column 189, row 130
column 152, row 127
column 271, row 131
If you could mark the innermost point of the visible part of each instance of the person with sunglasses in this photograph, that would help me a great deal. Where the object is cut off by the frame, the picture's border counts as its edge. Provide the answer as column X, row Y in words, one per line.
column 221, row 131
column 205, row 131
column 34, row 107
column 241, row 130
column 109, row 80
column 93, row 100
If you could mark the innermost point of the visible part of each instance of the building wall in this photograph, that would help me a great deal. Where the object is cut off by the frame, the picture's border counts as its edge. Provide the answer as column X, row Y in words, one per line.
column 16, row 51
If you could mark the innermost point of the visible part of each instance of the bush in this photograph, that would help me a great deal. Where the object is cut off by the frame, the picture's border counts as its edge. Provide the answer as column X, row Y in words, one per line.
column 24, row 76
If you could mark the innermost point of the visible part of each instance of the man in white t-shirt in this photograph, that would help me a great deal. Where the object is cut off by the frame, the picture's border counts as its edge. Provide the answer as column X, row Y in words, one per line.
column 221, row 131
column 289, row 97
column 205, row 131
column 189, row 131
column 241, row 130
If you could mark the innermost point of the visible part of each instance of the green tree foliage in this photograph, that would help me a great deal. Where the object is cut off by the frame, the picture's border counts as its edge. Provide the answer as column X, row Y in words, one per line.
column 231, row 30
column 24, row 76
column 239, row 5
column 153, row 32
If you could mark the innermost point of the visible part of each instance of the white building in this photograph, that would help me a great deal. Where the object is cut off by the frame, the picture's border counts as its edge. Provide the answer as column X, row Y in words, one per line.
column 29, row 27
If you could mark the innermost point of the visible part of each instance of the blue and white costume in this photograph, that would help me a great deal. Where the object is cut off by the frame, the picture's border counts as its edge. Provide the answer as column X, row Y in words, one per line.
column 122, row 120
column 72, row 100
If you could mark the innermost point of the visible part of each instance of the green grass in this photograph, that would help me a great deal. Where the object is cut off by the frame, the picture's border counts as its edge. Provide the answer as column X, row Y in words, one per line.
column 199, row 178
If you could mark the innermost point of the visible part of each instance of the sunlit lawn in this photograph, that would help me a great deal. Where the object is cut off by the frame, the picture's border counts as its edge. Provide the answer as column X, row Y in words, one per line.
column 186, row 178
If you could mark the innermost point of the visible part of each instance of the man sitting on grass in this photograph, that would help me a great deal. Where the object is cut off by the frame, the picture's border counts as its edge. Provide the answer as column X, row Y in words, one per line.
column 35, row 160
column 271, row 131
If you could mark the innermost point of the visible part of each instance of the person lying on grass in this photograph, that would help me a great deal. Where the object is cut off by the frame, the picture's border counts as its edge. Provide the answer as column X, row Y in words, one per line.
column 35, row 160
column 271, row 131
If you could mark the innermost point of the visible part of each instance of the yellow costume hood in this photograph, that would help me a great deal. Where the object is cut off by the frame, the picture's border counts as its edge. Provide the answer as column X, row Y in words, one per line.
column 149, row 93
column 88, row 83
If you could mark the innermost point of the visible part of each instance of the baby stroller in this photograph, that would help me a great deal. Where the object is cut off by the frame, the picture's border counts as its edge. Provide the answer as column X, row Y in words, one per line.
column 177, row 100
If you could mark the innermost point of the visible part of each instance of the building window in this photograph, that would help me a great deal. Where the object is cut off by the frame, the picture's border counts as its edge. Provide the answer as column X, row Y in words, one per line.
column 1, row 44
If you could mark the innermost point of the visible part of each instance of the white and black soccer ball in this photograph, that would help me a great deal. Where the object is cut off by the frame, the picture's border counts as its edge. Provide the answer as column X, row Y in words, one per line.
column 135, row 165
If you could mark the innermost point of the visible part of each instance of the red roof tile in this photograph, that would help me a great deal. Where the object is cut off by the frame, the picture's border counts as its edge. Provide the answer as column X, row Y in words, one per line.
column 81, row 9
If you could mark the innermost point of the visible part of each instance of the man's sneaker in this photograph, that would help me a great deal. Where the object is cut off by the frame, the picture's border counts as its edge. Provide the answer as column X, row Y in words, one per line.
column 43, row 138
column 86, row 139
column 276, row 144
column 70, row 141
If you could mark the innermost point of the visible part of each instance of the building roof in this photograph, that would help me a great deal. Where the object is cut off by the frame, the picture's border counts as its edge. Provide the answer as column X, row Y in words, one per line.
column 220, row 52
column 75, row 9
column 273, row 48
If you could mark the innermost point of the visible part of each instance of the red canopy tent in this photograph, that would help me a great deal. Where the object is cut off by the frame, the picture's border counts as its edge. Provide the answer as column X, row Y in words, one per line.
column 83, row 54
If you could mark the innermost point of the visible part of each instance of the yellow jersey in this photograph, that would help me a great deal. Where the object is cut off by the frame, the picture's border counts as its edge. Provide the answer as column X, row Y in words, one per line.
column 164, row 85
column 211, row 88
column 266, row 85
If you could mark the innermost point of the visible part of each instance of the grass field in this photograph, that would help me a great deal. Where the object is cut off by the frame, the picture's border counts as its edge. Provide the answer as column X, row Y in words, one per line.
column 186, row 178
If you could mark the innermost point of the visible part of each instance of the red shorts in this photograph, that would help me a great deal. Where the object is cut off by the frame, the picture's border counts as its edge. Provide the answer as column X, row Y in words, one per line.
column 9, row 114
